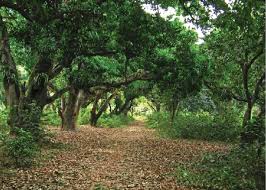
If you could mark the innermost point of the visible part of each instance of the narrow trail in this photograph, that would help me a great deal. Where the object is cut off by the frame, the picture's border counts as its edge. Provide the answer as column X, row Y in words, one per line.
column 120, row 158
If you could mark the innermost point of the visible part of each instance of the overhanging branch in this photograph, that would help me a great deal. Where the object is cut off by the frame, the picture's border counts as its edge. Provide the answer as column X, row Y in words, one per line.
column 57, row 94
column 140, row 75
column 255, row 58
column 228, row 92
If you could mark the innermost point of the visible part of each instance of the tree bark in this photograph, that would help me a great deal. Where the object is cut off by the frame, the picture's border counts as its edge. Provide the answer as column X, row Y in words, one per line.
column 70, row 110
column 93, row 118
column 101, row 109
column 123, row 108
column 10, row 80
column 250, row 97
column 173, row 112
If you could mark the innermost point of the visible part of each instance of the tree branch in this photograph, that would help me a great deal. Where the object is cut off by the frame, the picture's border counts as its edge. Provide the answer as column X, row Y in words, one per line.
column 140, row 75
column 99, row 53
column 257, row 87
column 228, row 92
column 254, row 58
column 57, row 94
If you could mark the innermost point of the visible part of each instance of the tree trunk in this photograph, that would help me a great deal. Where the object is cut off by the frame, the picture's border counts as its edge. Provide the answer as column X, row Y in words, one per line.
column 102, row 108
column 10, row 80
column 93, row 118
column 70, row 110
column 247, row 115
column 123, row 108
column 25, row 112
column 26, row 103
column 158, row 107
column 173, row 111
column 127, row 107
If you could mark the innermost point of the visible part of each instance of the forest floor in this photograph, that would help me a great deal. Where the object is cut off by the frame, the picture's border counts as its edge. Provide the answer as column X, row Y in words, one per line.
column 132, row 157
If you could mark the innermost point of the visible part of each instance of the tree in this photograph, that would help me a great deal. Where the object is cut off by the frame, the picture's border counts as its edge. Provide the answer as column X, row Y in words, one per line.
column 124, row 101
column 48, row 32
column 236, row 45
column 181, row 68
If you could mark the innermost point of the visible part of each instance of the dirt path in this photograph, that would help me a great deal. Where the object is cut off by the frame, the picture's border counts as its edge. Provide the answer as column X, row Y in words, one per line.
column 123, row 158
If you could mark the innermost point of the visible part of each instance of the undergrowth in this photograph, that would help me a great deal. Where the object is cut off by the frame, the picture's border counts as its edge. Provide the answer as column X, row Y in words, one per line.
column 196, row 125
column 114, row 121
column 240, row 169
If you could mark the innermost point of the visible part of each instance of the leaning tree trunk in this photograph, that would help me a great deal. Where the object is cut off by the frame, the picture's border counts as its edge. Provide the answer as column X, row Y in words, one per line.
column 70, row 110
column 101, row 109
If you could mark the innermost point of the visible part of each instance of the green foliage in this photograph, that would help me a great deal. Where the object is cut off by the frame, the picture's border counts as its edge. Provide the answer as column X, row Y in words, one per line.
column 156, row 119
column 197, row 125
column 115, row 121
column 3, row 119
column 240, row 169
column 27, row 117
column 96, row 69
column 21, row 149
column 254, row 133
column 50, row 117
column 84, row 116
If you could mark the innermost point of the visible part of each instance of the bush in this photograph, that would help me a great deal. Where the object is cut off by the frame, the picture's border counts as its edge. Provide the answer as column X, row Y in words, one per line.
column 241, row 169
column 21, row 149
column 3, row 121
column 114, row 121
column 50, row 117
column 197, row 125
column 154, row 120
column 84, row 116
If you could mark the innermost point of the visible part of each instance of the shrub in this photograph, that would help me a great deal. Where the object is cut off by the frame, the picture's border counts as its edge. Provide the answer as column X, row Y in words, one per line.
column 197, row 125
column 154, row 120
column 240, row 169
column 3, row 121
column 21, row 149
column 113, row 121
column 84, row 116
column 50, row 117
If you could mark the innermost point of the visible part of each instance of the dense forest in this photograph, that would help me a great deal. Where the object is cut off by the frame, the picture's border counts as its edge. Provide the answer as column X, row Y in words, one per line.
column 102, row 94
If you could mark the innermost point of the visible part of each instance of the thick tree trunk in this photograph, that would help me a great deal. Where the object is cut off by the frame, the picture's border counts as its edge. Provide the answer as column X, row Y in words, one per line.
column 25, row 112
column 25, row 103
column 10, row 80
column 70, row 110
